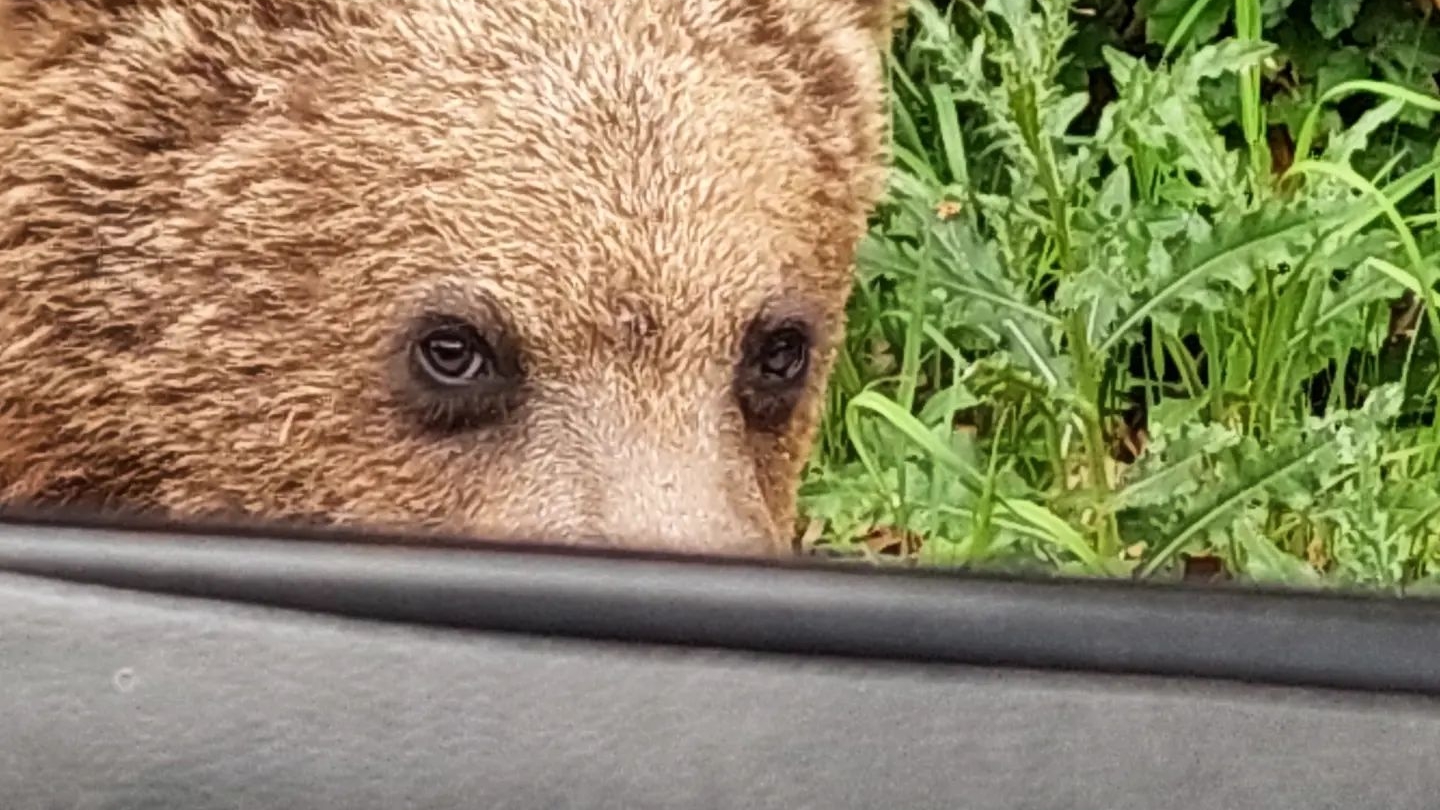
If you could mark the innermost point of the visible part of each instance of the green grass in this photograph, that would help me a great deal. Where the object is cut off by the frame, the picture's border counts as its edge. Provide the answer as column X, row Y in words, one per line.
column 1107, row 334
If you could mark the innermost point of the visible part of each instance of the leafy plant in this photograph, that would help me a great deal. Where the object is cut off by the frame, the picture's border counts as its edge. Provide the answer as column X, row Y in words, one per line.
column 1106, row 335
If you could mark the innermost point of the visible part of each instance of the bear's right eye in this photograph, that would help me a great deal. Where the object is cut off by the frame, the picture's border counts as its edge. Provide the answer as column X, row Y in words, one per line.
column 459, row 373
column 455, row 354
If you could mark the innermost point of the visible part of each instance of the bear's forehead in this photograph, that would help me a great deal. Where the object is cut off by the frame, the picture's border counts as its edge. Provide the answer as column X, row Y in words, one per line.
column 593, row 180
column 598, row 168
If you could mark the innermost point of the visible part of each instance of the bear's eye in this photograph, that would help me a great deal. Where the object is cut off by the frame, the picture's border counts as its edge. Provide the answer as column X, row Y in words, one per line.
column 783, row 356
column 458, row 373
column 455, row 354
column 771, row 376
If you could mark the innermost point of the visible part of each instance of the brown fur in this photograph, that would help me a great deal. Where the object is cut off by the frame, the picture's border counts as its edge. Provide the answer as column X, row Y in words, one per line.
column 219, row 218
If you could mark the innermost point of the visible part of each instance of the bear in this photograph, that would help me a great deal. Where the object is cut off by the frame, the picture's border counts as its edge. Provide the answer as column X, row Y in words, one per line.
column 565, row 272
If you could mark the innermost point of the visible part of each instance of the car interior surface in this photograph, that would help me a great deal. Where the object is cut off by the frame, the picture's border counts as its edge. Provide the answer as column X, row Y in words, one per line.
column 198, row 667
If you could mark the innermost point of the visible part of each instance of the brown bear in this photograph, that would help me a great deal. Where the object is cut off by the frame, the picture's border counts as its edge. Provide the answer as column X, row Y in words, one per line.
column 567, row 271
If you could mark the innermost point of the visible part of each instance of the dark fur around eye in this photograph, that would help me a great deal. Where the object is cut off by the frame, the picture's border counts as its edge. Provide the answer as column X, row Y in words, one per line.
column 457, row 372
column 773, row 371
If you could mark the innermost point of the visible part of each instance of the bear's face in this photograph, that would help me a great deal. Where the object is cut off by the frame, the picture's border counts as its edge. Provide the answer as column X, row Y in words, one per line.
column 562, row 271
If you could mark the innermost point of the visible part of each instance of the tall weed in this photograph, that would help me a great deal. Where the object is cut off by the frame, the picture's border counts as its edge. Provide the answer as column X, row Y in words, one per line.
column 1107, row 338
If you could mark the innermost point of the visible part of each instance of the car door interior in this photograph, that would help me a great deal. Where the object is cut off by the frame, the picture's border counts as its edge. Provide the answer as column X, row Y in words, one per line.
column 198, row 668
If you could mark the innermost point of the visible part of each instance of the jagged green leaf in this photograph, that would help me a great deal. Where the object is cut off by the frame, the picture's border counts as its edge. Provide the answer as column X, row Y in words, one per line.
column 1333, row 16
column 1224, row 258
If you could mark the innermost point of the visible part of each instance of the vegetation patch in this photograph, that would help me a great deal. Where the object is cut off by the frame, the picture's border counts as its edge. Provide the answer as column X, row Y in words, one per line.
column 1152, row 293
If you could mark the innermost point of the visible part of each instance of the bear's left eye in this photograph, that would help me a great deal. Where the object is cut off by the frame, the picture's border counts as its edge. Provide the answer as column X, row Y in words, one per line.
column 783, row 356
column 773, row 371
